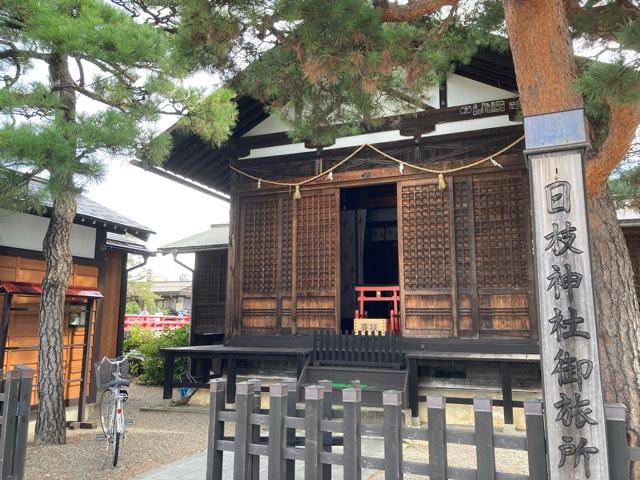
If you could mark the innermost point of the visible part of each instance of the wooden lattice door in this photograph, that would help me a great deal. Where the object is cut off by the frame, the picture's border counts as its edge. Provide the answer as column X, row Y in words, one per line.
column 503, row 253
column 317, row 262
column 426, row 275
column 465, row 257
column 265, row 256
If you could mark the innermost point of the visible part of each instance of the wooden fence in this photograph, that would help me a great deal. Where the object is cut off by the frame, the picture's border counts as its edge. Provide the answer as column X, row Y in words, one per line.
column 346, row 348
column 324, row 428
column 15, row 399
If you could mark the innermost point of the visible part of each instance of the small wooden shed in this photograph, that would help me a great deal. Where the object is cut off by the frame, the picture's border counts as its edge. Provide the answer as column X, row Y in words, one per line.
column 101, row 241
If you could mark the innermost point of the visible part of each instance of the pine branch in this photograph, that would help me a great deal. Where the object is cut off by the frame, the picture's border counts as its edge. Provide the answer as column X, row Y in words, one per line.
column 95, row 96
column 413, row 10
column 623, row 124
column 18, row 53
column 601, row 27
column 114, row 69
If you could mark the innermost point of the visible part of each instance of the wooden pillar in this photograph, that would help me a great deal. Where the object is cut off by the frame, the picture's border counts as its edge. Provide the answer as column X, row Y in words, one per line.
column 85, row 355
column 232, row 319
column 4, row 326
column 294, row 266
column 573, row 399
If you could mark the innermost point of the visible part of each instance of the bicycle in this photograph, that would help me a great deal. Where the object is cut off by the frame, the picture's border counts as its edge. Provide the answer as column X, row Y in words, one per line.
column 111, row 378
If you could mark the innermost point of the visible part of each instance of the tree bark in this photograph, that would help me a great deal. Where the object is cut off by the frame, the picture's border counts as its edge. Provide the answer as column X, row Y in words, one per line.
column 617, row 312
column 542, row 55
column 50, row 423
column 546, row 70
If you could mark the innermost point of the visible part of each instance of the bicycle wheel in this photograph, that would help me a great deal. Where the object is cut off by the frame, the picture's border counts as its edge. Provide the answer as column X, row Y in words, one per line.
column 115, row 447
column 107, row 411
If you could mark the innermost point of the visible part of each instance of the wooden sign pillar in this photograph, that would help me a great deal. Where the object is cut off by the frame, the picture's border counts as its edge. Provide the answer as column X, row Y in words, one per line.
column 573, row 398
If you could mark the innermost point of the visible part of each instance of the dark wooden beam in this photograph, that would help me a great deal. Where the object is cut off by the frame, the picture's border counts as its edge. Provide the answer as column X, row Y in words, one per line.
column 182, row 181
column 4, row 326
column 426, row 122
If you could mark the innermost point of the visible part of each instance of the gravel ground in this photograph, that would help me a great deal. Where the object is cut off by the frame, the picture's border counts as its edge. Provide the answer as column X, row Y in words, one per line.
column 154, row 439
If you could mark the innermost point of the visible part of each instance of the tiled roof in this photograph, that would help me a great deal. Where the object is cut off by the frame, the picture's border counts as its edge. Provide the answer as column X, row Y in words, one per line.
column 128, row 243
column 215, row 238
column 92, row 213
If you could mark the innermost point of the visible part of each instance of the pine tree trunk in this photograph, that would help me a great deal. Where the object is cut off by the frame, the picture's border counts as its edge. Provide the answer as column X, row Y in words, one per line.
column 50, row 423
column 546, row 70
column 617, row 313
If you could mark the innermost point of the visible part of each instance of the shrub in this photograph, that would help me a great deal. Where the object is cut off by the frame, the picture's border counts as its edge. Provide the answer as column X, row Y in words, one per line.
column 150, row 371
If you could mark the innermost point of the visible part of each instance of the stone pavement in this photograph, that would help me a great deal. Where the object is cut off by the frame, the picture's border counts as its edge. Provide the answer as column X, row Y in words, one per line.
column 194, row 467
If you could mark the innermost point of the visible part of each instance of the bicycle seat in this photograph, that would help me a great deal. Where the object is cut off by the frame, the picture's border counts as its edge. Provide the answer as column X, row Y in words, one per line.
column 120, row 382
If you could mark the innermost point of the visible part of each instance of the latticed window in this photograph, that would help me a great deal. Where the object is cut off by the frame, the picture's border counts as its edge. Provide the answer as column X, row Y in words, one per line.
column 260, row 245
column 500, row 228
column 426, row 242
column 317, row 242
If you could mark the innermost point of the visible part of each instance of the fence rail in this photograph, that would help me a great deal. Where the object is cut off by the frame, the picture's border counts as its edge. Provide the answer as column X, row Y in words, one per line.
column 157, row 323
column 323, row 426
column 346, row 348
column 14, row 422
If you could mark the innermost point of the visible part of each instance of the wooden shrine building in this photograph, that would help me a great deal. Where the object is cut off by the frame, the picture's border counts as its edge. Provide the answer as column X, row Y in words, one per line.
column 433, row 208
column 460, row 255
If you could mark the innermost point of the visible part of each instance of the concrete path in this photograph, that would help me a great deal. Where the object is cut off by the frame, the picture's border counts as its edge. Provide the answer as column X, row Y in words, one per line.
column 194, row 467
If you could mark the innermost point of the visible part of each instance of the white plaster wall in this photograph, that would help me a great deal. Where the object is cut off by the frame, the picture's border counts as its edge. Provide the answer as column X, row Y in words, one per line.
column 21, row 230
column 271, row 124
column 274, row 124
column 462, row 90
column 389, row 136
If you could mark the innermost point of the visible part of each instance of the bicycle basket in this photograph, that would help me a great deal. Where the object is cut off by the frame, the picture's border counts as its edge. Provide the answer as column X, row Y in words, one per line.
column 105, row 372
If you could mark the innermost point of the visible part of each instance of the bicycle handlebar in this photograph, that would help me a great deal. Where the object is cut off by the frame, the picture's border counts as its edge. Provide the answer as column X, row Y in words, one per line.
column 121, row 359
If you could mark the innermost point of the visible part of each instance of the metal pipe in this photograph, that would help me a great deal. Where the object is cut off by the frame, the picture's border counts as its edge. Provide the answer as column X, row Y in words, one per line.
column 175, row 259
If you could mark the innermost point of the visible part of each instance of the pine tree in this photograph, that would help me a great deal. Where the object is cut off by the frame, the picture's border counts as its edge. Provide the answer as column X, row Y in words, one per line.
column 82, row 80
column 322, row 63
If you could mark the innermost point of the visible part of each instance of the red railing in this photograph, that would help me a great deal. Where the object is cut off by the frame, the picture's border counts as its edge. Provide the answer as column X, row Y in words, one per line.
column 157, row 322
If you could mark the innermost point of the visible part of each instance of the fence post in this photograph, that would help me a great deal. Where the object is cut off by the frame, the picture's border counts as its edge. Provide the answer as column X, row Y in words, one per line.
column 485, row 456
column 392, row 404
column 22, row 423
column 244, row 407
column 536, row 451
column 217, row 390
column 292, row 411
column 351, row 403
column 313, row 408
column 327, row 414
column 9, row 409
column 277, row 439
column 619, row 463
column 255, row 429
column 437, row 431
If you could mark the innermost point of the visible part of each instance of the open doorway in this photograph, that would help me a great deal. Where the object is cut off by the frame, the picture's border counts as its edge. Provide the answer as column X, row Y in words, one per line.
column 368, row 246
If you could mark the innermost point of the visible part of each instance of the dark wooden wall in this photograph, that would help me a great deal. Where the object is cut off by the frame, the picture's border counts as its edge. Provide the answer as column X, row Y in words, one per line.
column 209, row 292
column 464, row 252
